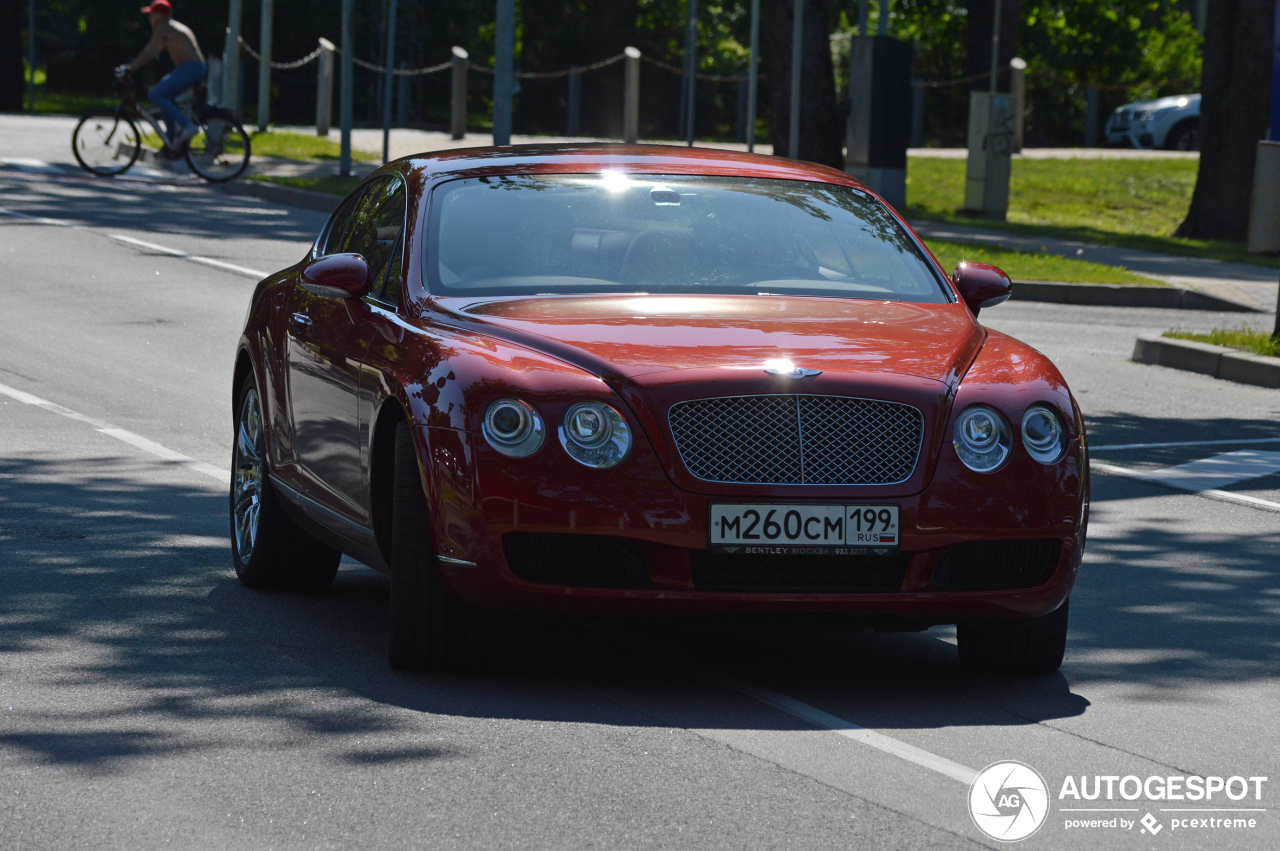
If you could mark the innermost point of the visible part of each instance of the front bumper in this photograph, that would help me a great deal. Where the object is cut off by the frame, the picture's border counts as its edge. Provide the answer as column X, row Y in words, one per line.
column 667, row 524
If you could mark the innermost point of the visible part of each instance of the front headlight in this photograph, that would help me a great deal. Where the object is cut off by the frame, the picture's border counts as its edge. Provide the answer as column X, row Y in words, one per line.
column 595, row 434
column 1042, row 434
column 982, row 439
column 514, row 428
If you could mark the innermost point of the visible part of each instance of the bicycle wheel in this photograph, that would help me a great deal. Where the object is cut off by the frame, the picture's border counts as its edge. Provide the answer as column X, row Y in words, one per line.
column 220, row 152
column 106, row 143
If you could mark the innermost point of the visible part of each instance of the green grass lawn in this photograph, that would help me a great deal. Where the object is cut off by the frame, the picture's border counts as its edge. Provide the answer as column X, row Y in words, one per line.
column 1245, row 339
column 1133, row 203
column 1025, row 266
column 303, row 146
column 333, row 185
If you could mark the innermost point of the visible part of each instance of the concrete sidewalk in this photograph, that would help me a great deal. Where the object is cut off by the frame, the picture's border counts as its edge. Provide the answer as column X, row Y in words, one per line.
column 1253, row 285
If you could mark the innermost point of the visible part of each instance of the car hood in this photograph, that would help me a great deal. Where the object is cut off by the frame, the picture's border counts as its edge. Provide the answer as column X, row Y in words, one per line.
column 623, row 337
column 1161, row 103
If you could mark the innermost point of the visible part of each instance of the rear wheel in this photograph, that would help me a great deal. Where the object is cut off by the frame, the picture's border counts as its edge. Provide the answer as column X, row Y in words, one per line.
column 1033, row 646
column 267, row 547
column 1185, row 137
column 428, row 630
column 220, row 151
column 106, row 143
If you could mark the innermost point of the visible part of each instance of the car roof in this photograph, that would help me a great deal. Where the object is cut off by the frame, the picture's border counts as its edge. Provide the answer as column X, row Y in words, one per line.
column 596, row 157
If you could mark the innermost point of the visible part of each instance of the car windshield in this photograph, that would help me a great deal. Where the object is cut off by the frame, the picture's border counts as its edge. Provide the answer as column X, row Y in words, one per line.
column 614, row 232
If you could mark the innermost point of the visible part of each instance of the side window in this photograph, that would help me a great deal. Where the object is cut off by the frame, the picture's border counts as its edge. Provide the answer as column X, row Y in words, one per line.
column 335, row 233
column 373, row 231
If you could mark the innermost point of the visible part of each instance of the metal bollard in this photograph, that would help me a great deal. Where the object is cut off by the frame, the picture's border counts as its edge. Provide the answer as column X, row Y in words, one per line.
column 324, row 87
column 575, row 103
column 1018, row 88
column 1091, row 117
column 458, row 122
column 631, row 104
column 264, row 66
column 917, row 116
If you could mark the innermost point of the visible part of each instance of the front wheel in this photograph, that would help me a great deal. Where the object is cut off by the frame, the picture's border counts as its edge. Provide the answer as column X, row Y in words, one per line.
column 428, row 630
column 106, row 143
column 267, row 547
column 1185, row 137
column 220, row 151
column 1034, row 646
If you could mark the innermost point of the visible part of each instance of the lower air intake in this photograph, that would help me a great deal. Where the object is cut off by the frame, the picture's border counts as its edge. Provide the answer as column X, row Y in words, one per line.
column 586, row 561
column 996, row 564
column 806, row 573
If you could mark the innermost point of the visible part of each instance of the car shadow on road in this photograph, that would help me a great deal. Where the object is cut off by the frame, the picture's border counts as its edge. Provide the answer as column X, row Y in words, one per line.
column 120, row 599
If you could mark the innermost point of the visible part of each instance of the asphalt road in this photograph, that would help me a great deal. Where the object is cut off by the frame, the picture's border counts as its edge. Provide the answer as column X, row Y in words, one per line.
column 148, row 700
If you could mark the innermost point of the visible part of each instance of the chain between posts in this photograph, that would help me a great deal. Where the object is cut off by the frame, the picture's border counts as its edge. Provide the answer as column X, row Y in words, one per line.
column 1103, row 87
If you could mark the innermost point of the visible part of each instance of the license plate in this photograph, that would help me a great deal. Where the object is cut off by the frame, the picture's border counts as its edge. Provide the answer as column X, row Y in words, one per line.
column 818, row 529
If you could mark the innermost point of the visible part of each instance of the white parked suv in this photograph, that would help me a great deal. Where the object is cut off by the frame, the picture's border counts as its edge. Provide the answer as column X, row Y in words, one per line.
column 1172, row 122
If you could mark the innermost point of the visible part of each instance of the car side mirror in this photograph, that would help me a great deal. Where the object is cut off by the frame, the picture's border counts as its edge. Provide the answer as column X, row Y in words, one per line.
column 337, row 276
column 981, row 285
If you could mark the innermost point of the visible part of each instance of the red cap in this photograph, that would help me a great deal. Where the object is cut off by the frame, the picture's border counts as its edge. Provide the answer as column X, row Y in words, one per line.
column 163, row 6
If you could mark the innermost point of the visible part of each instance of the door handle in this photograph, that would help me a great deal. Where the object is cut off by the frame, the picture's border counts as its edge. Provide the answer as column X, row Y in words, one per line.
column 300, row 320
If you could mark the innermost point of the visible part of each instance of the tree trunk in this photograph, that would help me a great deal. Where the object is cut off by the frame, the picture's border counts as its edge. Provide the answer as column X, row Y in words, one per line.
column 13, row 88
column 1235, row 91
column 820, row 132
column 978, row 58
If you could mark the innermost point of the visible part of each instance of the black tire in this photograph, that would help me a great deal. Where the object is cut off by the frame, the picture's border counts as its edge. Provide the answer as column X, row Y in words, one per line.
column 220, row 152
column 106, row 143
column 1184, row 137
column 1033, row 646
column 428, row 630
column 270, row 552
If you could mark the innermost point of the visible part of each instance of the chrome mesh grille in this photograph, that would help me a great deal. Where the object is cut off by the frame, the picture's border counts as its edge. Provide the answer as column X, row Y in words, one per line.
column 797, row 440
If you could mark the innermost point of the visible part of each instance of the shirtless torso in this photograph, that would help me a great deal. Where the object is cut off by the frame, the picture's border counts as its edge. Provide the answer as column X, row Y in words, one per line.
column 175, row 37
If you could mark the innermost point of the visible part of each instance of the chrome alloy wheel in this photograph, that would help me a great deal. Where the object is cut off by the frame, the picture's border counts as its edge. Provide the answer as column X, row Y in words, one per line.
column 247, row 474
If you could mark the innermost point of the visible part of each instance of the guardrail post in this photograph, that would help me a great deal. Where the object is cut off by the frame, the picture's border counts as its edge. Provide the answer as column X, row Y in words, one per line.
column 402, row 97
column 231, row 59
column 631, row 106
column 1091, row 117
column 324, row 88
column 1018, row 88
column 575, row 103
column 458, row 118
column 345, row 89
column 264, row 66
column 213, row 81
column 504, row 45
column 917, row 115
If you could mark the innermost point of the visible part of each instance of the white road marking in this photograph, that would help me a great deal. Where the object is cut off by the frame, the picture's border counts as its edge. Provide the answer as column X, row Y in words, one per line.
column 849, row 730
column 1116, row 446
column 1212, row 493
column 194, row 258
column 5, row 211
column 1225, row 469
column 135, row 440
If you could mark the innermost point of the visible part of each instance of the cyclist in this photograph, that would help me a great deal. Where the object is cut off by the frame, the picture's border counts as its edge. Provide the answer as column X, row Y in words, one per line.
column 188, row 69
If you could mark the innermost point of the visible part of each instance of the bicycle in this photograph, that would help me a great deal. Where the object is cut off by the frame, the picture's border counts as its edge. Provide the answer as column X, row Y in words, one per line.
column 107, row 142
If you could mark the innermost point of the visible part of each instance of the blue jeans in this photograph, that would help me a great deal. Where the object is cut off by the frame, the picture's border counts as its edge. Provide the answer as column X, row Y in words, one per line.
column 170, row 86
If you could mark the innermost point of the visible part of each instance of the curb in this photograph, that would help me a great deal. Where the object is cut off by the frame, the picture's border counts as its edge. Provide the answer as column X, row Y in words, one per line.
column 1127, row 295
column 305, row 199
column 1206, row 359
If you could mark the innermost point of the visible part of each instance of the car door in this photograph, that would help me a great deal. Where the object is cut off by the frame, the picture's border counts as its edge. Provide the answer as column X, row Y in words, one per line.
column 326, row 343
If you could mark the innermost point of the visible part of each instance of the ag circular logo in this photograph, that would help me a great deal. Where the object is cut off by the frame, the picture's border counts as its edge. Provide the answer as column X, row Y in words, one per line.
column 1008, row 801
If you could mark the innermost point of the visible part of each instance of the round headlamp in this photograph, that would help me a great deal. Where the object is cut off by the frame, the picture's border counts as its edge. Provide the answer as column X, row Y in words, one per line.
column 1042, row 434
column 982, row 439
column 595, row 434
column 514, row 428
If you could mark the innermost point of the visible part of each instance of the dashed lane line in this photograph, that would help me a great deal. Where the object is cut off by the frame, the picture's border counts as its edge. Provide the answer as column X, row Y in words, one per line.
column 1118, row 446
column 135, row 440
column 870, row 738
column 1154, row 477
column 194, row 258
column 256, row 274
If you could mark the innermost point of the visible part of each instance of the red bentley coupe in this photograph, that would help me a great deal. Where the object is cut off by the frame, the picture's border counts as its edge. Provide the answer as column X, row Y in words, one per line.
column 652, row 382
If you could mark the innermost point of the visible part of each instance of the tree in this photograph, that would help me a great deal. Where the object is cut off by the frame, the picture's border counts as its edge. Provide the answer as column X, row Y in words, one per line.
column 820, row 130
column 1235, row 94
column 13, row 85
